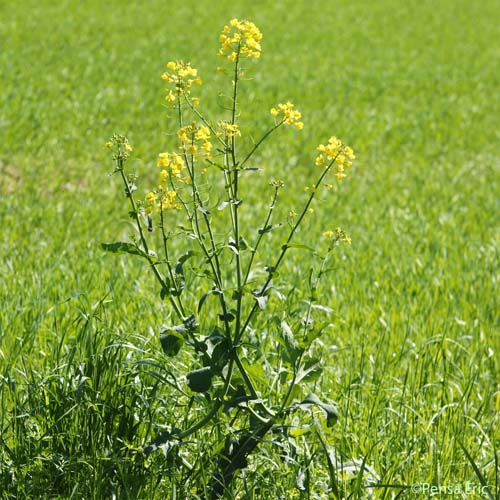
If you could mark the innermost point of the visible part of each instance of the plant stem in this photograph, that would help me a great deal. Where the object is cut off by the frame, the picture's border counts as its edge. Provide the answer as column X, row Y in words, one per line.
column 130, row 196
column 261, row 234
column 285, row 247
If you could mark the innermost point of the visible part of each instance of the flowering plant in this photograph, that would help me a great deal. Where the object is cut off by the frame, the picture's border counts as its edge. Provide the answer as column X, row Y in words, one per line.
column 192, row 236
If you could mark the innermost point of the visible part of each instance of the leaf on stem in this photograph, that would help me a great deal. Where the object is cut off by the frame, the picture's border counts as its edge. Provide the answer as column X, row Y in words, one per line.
column 172, row 337
column 121, row 247
column 332, row 414
column 309, row 371
column 261, row 300
column 200, row 380
column 205, row 296
column 171, row 342
column 269, row 228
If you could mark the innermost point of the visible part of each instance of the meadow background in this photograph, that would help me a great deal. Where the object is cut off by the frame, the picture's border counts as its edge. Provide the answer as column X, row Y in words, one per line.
column 413, row 358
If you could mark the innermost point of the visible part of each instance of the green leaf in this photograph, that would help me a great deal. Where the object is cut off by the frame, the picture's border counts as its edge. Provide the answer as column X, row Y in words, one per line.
column 172, row 337
column 182, row 259
column 229, row 316
column 309, row 371
column 261, row 300
column 220, row 355
column 171, row 343
column 332, row 414
column 269, row 228
column 300, row 246
column 205, row 296
column 121, row 247
column 200, row 380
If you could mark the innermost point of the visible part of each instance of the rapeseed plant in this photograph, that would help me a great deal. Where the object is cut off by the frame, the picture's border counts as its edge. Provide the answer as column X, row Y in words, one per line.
column 222, row 344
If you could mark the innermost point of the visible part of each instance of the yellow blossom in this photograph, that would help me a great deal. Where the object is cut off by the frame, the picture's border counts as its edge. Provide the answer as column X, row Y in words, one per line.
column 231, row 129
column 339, row 235
column 240, row 38
column 320, row 160
column 163, row 177
column 182, row 76
column 337, row 153
column 170, row 97
column 290, row 115
column 203, row 133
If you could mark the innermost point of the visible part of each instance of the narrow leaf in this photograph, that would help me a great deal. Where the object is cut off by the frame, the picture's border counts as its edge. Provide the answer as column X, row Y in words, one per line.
column 121, row 247
column 332, row 414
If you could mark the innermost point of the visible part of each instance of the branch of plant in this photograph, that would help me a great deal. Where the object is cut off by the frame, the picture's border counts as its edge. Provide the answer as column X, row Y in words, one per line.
column 133, row 204
column 169, row 267
column 260, row 141
column 261, row 234
column 285, row 247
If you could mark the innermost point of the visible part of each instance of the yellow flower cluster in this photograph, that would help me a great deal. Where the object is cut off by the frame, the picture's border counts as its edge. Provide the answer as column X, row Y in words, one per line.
column 121, row 146
column 195, row 138
column 341, row 154
column 339, row 235
column 171, row 161
column 119, row 141
column 230, row 129
column 290, row 115
column 240, row 38
column 182, row 76
column 162, row 199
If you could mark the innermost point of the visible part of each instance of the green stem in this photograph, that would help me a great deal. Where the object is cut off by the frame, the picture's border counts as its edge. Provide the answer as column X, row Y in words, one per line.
column 260, row 141
column 212, row 258
column 145, row 247
column 169, row 267
column 259, row 239
column 285, row 247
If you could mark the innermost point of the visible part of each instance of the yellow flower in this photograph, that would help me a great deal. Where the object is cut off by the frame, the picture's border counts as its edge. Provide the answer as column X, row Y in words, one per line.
column 170, row 97
column 184, row 133
column 203, row 133
column 339, row 235
column 128, row 147
column 108, row 144
column 195, row 101
column 349, row 153
column 151, row 197
column 163, row 177
column 290, row 115
column 231, row 129
column 163, row 160
column 176, row 164
column 169, row 200
column 182, row 77
column 240, row 38
column 337, row 153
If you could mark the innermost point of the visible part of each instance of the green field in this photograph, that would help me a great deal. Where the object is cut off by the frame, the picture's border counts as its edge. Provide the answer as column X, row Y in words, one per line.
column 412, row 358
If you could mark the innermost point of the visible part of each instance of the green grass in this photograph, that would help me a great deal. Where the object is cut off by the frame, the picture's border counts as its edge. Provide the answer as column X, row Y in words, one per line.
column 413, row 356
